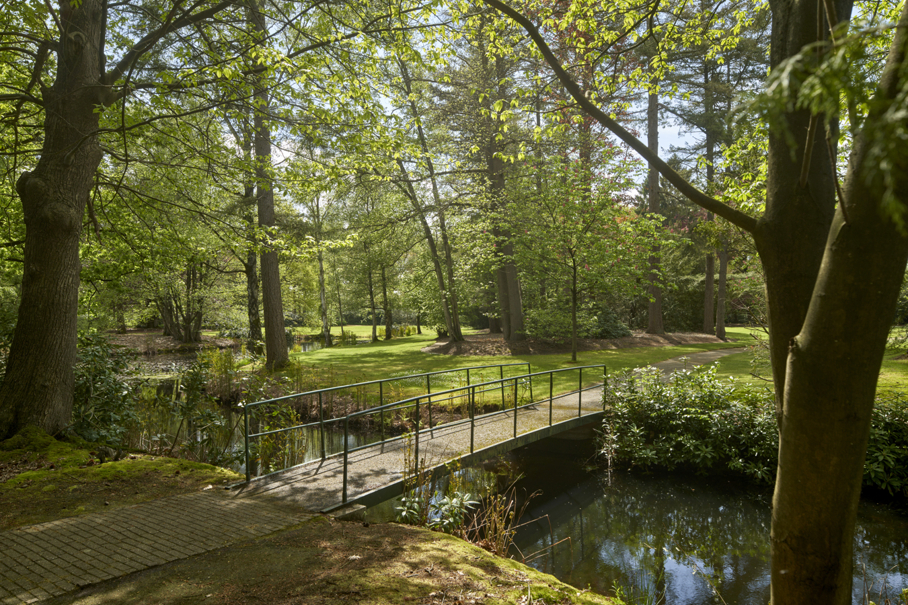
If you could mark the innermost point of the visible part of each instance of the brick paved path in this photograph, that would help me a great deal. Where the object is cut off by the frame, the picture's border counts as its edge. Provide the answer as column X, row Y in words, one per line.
column 48, row 559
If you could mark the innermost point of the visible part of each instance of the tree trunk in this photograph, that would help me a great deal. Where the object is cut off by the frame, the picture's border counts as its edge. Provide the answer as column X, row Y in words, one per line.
column 386, row 306
column 833, row 362
column 418, row 323
column 443, row 289
column 38, row 386
column 448, row 292
column 323, row 299
column 276, row 353
column 340, row 308
column 250, row 265
column 250, row 268
column 654, row 323
column 515, row 299
column 504, row 302
column 372, row 309
column 574, row 313
column 709, row 310
column 121, row 318
column 720, row 298
column 831, row 293
column 165, row 306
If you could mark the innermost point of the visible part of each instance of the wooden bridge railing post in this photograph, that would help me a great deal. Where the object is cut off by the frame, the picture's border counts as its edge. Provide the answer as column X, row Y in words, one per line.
column 551, row 390
column 580, row 395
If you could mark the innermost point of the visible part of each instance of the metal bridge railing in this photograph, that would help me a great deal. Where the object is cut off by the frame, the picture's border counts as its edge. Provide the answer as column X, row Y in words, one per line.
column 510, row 389
column 526, row 379
column 324, row 422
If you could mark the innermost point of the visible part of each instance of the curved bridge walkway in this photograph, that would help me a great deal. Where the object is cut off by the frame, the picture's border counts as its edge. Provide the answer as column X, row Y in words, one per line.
column 377, row 473
column 50, row 559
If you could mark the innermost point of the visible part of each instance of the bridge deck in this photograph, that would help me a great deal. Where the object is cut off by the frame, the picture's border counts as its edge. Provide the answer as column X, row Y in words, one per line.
column 376, row 473
column 318, row 485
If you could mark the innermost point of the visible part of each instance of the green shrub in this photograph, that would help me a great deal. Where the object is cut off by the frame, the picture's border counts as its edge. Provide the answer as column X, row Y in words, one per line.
column 103, row 399
column 886, row 464
column 608, row 325
column 698, row 422
column 695, row 422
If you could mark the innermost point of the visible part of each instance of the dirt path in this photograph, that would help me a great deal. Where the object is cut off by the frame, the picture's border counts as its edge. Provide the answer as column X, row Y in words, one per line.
column 495, row 344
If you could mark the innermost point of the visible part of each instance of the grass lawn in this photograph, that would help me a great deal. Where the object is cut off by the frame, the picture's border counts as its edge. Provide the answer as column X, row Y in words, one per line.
column 893, row 374
column 364, row 362
column 361, row 330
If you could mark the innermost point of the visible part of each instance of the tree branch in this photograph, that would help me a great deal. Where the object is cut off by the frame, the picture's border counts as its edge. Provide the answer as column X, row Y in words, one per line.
column 732, row 215
column 149, row 41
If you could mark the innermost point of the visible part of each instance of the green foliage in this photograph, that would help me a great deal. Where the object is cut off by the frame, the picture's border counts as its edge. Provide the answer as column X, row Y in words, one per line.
column 695, row 421
column 886, row 464
column 698, row 422
column 449, row 513
column 608, row 325
column 103, row 399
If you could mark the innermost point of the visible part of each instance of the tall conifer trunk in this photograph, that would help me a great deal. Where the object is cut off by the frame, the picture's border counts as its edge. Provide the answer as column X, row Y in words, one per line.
column 654, row 323
column 276, row 353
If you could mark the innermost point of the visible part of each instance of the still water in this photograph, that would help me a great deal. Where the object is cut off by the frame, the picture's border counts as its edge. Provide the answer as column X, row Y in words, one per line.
column 683, row 537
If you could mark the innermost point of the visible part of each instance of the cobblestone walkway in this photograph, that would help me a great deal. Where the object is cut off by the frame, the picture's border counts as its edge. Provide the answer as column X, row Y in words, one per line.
column 48, row 559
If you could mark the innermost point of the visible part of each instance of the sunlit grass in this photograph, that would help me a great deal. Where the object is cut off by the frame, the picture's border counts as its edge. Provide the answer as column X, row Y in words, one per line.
column 893, row 373
column 383, row 359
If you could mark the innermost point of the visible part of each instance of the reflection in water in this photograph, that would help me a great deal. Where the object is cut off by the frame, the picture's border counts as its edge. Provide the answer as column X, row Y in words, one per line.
column 680, row 536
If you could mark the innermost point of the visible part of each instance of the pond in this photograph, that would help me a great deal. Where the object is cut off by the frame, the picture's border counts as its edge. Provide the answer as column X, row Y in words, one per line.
column 685, row 537
column 682, row 536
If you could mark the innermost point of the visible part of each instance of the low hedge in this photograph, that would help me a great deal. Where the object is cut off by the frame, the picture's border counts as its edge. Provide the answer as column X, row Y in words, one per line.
column 699, row 422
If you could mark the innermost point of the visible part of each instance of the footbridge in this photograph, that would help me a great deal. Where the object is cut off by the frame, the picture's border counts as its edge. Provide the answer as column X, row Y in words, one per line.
column 355, row 454
column 357, row 445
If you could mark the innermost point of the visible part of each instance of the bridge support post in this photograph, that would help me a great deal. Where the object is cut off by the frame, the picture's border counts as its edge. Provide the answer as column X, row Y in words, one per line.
column 246, row 440
column 515, row 408
column 501, row 376
column 551, row 390
column 473, row 415
column 580, row 395
column 346, row 454
column 321, row 423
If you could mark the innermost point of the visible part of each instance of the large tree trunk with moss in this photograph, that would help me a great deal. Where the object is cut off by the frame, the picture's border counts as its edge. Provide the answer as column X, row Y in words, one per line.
column 38, row 386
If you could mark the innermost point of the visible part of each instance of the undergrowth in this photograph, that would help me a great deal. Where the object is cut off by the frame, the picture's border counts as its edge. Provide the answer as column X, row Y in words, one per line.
column 699, row 422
